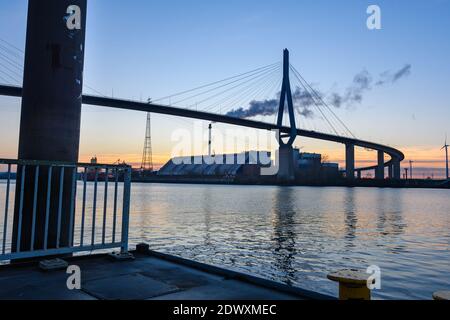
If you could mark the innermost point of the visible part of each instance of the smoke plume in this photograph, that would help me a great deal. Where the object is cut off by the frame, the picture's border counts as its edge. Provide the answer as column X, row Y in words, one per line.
column 301, row 99
column 304, row 100
column 389, row 77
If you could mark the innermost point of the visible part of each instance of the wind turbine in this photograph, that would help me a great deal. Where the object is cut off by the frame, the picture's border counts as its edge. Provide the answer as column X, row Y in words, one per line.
column 446, row 157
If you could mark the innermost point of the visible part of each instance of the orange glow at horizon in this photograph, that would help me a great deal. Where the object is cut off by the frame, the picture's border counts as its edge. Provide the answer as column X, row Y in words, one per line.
column 423, row 156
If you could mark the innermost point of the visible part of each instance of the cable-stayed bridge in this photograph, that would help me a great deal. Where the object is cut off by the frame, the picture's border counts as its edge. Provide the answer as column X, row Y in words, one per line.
column 251, row 100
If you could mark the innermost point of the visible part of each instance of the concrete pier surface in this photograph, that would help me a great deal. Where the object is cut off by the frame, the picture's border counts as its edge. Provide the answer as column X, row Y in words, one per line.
column 150, row 276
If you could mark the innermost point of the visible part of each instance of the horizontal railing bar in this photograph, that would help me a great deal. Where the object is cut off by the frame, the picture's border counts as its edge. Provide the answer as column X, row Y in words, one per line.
column 61, row 164
column 44, row 194
column 51, row 252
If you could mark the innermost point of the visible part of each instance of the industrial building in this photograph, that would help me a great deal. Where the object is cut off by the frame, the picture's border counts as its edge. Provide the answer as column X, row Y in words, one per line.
column 238, row 167
column 244, row 168
column 310, row 168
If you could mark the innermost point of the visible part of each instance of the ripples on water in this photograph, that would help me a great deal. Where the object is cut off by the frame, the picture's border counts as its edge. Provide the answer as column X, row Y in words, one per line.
column 296, row 235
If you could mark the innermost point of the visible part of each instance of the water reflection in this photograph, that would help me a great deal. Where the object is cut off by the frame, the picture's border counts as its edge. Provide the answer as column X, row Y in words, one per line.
column 390, row 224
column 296, row 235
column 389, row 211
column 207, row 210
column 351, row 219
column 284, row 235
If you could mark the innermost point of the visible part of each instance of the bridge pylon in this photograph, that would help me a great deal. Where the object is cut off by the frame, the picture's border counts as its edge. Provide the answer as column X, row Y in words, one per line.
column 286, row 172
column 50, row 122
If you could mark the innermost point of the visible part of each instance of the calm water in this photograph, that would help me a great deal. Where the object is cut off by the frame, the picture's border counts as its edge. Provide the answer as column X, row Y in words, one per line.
column 296, row 235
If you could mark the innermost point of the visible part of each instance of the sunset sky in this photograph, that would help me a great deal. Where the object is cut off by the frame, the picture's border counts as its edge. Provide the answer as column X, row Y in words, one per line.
column 139, row 49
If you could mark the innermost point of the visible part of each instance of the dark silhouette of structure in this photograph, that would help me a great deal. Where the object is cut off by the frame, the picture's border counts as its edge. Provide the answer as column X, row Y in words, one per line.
column 147, row 156
column 446, row 158
column 286, row 172
column 50, row 116
column 393, row 164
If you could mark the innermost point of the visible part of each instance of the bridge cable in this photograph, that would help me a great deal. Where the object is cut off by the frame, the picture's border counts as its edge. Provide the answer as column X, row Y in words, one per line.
column 4, row 80
column 247, row 78
column 253, row 90
column 17, row 57
column 13, row 46
column 229, row 89
column 251, row 76
column 213, row 83
column 7, row 68
column 17, row 76
column 324, row 103
column 241, row 98
column 11, row 62
column 345, row 129
column 317, row 105
column 15, row 80
column 254, row 94
column 318, row 96
column 249, row 88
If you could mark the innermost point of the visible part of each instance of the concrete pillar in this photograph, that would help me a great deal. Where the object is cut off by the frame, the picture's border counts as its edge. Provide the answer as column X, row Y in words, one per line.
column 51, row 108
column 286, row 171
column 390, row 171
column 396, row 169
column 350, row 161
column 379, row 172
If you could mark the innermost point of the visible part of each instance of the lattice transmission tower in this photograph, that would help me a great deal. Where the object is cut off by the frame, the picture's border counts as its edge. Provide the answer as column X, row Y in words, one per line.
column 147, row 156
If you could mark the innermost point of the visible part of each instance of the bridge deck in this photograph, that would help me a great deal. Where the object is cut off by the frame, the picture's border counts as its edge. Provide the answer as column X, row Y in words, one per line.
column 193, row 114
column 150, row 276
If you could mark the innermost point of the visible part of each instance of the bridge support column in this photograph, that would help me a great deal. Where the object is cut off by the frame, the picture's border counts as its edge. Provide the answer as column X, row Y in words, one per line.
column 359, row 174
column 390, row 172
column 379, row 172
column 50, row 115
column 396, row 169
column 286, row 171
column 350, row 161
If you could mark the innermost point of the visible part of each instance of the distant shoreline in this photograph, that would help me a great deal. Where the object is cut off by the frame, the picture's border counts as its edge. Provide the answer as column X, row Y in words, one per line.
column 365, row 183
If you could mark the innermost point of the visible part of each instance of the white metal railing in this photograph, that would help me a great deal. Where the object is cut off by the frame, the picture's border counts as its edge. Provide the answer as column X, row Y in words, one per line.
column 37, row 196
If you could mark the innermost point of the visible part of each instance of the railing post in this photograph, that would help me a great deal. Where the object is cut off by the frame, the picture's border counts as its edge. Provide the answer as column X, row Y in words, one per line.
column 53, row 211
column 126, row 208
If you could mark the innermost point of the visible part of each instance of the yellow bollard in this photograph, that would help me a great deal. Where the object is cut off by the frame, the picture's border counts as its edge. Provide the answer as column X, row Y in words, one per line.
column 352, row 284
column 441, row 295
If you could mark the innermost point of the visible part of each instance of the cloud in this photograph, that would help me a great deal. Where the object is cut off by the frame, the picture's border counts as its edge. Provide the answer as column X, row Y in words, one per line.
column 303, row 99
column 363, row 82
column 388, row 77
